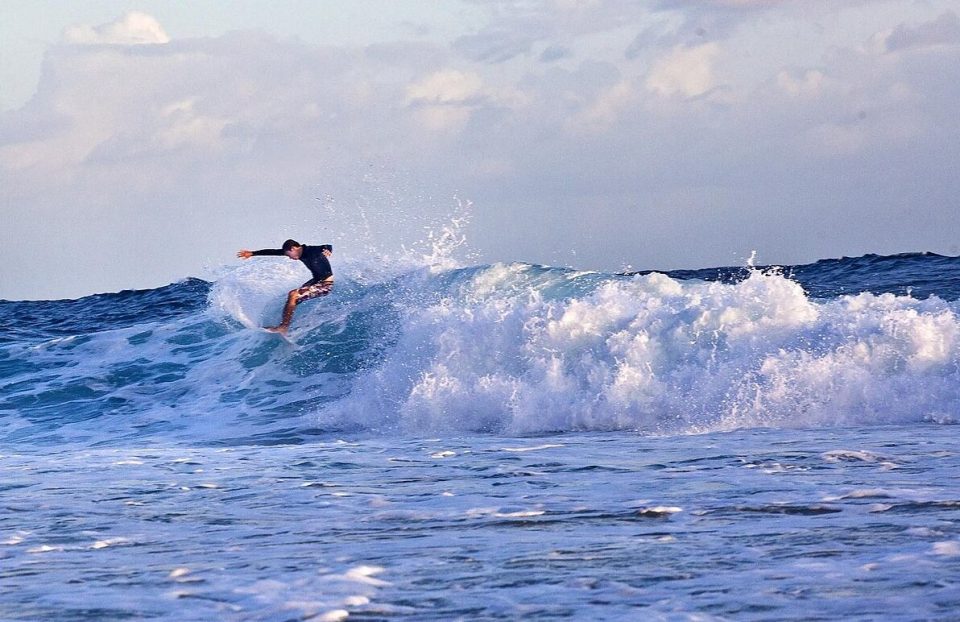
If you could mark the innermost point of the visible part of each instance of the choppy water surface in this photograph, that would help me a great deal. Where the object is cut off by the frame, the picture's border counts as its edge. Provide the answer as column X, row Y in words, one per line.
column 763, row 525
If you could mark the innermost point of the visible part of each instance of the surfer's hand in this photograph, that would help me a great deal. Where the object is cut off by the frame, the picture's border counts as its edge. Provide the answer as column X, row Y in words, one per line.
column 245, row 254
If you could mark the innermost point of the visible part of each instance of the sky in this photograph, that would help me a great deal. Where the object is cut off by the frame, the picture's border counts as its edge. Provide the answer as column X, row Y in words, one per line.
column 145, row 142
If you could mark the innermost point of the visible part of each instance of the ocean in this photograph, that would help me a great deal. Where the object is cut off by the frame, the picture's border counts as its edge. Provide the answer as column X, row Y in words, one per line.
column 488, row 442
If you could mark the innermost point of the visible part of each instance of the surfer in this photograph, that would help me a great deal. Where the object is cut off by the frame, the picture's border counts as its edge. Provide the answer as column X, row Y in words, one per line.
column 316, row 259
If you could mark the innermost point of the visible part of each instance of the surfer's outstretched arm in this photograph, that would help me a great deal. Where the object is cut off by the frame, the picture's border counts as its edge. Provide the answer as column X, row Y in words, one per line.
column 245, row 254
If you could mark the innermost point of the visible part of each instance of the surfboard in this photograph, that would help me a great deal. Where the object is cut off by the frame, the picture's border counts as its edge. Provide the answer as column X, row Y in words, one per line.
column 248, row 323
column 276, row 334
column 280, row 335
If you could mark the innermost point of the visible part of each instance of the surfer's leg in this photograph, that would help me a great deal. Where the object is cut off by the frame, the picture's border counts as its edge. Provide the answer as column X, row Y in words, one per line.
column 288, row 310
column 295, row 297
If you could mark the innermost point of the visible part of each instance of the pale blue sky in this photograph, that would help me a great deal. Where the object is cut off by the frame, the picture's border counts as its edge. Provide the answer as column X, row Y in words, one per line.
column 598, row 134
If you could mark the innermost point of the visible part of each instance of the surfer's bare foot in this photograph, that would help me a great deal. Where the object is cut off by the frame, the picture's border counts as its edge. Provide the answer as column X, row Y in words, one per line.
column 277, row 329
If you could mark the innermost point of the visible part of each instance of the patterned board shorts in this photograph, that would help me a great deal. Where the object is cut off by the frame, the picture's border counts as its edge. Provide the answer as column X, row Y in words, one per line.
column 314, row 291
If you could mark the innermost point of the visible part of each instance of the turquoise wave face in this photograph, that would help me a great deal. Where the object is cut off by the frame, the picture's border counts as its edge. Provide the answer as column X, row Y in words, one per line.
column 502, row 349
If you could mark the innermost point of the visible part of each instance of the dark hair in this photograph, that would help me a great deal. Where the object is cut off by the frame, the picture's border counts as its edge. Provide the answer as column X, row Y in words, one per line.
column 290, row 244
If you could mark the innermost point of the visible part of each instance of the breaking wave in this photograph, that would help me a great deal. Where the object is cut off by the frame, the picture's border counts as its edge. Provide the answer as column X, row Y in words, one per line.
column 502, row 349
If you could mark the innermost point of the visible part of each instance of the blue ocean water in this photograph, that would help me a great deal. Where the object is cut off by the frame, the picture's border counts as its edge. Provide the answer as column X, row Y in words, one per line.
column 492, row 442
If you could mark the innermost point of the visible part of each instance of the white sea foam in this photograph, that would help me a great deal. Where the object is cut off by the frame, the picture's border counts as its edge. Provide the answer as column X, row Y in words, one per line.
column 536, row 448
column 948, row 549
column 509, row 352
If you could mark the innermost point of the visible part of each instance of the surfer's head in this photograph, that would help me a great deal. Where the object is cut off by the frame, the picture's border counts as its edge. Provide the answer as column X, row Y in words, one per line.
column 292, row 249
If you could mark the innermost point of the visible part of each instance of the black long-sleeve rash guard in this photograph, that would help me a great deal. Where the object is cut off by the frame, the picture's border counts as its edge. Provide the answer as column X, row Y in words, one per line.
column 312, row 257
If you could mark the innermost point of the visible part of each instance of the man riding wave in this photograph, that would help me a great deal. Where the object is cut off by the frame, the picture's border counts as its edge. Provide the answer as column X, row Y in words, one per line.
column 316, row 259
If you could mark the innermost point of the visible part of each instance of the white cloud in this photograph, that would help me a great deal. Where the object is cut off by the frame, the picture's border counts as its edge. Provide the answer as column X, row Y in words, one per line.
column 687, row 72
column 446, row 87
column 445, row 99
column 134, row 28
column 810, row 83
column 185, row 127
